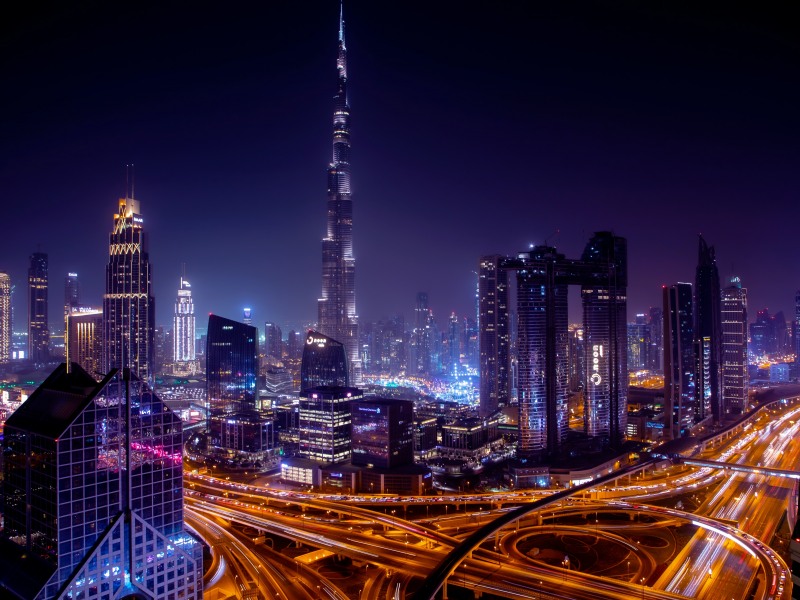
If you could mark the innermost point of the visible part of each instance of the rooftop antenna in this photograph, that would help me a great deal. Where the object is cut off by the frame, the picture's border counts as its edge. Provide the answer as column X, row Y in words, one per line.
column 126, row 181
column 133, row 178
column 183, row 273
column 556, row 233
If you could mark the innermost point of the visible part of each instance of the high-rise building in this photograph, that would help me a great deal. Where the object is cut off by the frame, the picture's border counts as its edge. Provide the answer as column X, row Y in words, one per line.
column 161, row 350
column 324, row 430
column 421, row 314
column 493, row 338
column 273, row 343
column 129, row 307
column 294, row 346
column 679, row 360
column 577, row 359
column 38, row 331
column 184, row 353
column 708, row 334
column 734, row 347
column 231, row 372
column 638, row 345
column 6, row 324
column 337, row 307
column 382, row 432
column 72, row 294
column 469, row 346
column 85, row 338
column 542, row 279
column 113, row 527
column 605, row 314
column 454, row 345
column 325, row 363
column 797, row 333
column 656, row 339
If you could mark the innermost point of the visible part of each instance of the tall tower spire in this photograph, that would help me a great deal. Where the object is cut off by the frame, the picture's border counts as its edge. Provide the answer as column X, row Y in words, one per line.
column 337, row 306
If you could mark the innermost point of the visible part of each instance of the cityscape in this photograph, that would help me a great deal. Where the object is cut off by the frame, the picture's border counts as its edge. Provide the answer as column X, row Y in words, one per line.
column 502, row 389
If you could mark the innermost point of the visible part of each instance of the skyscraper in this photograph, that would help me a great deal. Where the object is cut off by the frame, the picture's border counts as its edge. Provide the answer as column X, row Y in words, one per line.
column 797, row 333
column 231, row 372
column 129, row 307
column 6, row 326
column 493, row 335
column 454, row 345
column 605, row 315
column 324, row 422
column 38, row 331
column 72, row 293
column 85, row 338
column 247, row 316
column 112, row 527
column 734, row 347
column 656, row 339
column 325, row 363
column 679, row 360
column 708, row 332
column 184, row 351
column 421, row 314
column 273, row 343
column 337, row 307
column 638, row 345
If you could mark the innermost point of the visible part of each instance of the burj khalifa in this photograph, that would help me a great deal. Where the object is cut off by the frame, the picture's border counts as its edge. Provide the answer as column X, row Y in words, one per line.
column 337, row 307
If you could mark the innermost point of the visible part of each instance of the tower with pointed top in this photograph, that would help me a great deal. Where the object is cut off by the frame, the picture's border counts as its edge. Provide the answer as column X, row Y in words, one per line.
column 129, row 307
column 337, row 306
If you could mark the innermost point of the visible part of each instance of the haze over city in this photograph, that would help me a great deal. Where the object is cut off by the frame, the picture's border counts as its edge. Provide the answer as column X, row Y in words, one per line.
column 476, row 131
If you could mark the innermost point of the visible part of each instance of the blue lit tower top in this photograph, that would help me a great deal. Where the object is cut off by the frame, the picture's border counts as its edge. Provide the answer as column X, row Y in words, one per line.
column 337, row 306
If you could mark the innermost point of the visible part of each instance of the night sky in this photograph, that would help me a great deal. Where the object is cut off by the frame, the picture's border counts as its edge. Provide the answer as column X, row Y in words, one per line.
column 477, row 128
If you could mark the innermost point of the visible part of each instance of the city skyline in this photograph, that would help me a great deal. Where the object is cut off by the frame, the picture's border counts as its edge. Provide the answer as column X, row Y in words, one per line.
column 697, row 164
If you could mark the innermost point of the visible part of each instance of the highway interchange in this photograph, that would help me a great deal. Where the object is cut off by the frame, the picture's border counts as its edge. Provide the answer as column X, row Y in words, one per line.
column 727, row 555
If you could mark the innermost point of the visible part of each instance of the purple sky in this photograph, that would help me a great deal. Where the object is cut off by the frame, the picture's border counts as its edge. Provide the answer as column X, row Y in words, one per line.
column 477, row 128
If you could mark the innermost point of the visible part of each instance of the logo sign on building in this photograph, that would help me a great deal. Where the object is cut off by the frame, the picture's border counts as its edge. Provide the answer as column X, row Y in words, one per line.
column 597, row 354
column 318, row 341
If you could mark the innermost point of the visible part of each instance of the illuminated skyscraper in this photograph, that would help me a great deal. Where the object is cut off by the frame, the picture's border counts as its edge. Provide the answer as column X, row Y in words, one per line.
column 734, row 347
column 247, row 319
column 325, row 363
column 797, row 333
column 337, row 307
column 493, row 335
column 184, row 350
column 113, row 526
column 708, row 335
column 273, row 343
column 454, row 345
column 72, row 293
column 679, row 360
column 231, row 373
column 85, row 338
column 129, row 307
column 6, row 326
column 38, row 331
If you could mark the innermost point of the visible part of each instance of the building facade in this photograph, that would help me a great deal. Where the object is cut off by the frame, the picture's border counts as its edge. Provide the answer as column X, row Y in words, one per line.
column 273, row 343
column 708, row 335
column 129, row 307
column 231, row 372
column 679, row 360
column 98, row 514
column 337, row 306
column 382, row 432
column 85, row 338
column 6, row 325
column 493, row 336
column 324, row 423
column 184, row 351
column 734, row 347
column 325, row 363
column 38, row 330
column 72, row 294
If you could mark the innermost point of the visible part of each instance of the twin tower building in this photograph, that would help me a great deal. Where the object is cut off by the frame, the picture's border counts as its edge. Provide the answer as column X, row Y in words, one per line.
column 542, row 279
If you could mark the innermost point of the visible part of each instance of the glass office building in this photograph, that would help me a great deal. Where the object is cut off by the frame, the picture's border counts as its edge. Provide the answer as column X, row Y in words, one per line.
column 325, row 363
column 324, row 423
column 94, row 494
column 679, row 359
column 231, row 372
column 38, row 332
column 708, row 334
column 493, row 337
column 734, row 347
column 382, row 432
